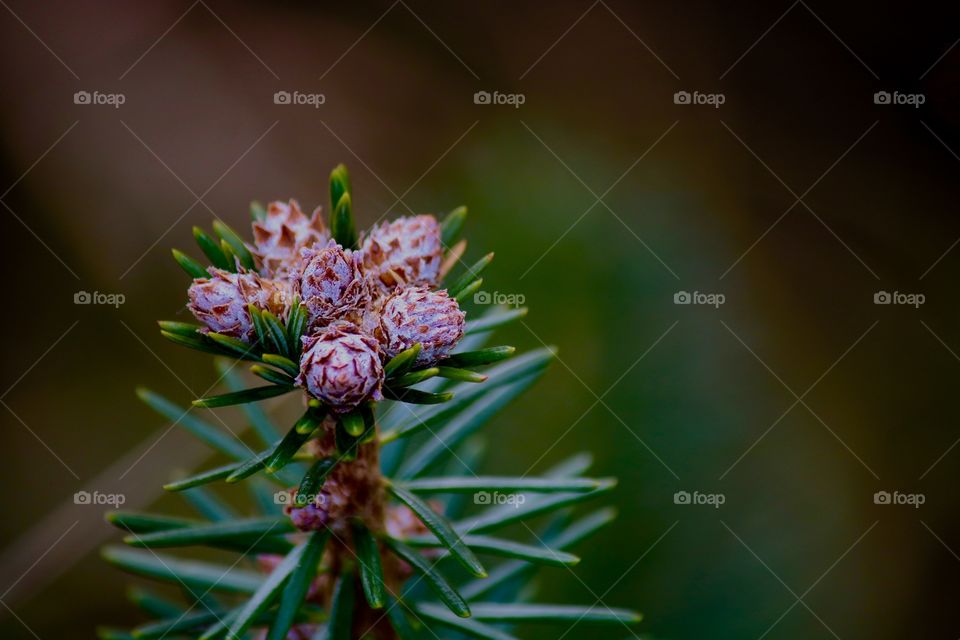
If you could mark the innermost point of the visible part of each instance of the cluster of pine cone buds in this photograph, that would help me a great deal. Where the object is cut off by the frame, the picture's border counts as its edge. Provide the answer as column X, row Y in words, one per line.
column 363, row 305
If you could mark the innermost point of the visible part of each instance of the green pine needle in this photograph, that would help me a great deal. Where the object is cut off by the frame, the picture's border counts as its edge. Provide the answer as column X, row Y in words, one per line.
column 297, row 586
column 469, row 276
column 502, row 484
column 237, row 246
column 494, row 320
column 280, row 362
column 193, row 574
column 414, row 377
column 340, row 624
column 447, row 594
column 193, row 268
column 253, row 528
column 415, row 396
column 184, row 418
column 353, row 423
column 342, row 226
column 211, row 248
column 467, row 291
column 478, row 358
column 313, row 480
column 258, row 212
column 439, row 526
column 506, row 549
column 401, row 363
column 266, row 594
column 451, row 226
column 371, row 571
column 240, row 397
column 283, row 453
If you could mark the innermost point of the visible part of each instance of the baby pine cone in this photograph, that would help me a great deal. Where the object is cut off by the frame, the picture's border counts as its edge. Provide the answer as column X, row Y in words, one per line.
column 405, row 251
column 416, row 314
column 341, row 366
column 314, row 516
column 220, row 301
column 279, row 238
column 332, row 285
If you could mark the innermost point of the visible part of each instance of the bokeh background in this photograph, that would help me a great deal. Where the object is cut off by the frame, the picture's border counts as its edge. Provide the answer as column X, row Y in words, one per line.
column 797, row 199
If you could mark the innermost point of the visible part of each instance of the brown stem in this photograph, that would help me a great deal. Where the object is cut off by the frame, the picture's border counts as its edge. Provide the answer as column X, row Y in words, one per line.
column 356, row 489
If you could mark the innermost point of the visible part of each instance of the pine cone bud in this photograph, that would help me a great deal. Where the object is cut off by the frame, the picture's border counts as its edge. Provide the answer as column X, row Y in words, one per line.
column 341, row 366
column 325, row 509
column 220, row 301
column 312, row 517
column 279, row 238
column 416, row 314
column 332, row 284
column 405, row 251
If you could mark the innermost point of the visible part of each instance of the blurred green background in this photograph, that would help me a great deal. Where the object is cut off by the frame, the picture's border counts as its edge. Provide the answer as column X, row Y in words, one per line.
column 797, row 399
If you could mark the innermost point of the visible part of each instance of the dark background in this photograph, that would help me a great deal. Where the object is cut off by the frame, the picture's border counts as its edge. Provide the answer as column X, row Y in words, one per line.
column 95, row 197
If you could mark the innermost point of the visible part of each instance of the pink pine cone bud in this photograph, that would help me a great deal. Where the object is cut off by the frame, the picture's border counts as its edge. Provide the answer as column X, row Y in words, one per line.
column 332, row 284
column 341, row 366
column 220, row 301
column 279, row 238
column 416, row 314
column 325, row 509
column 406, row 251
column 314, row 516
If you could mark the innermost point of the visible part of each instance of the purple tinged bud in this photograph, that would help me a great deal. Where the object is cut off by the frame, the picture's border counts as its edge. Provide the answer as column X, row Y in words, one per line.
column 341, row 366
column 416, row 314
column 332, row 284
column 220, row 301
column 408, row 250
column 309, row 518
column 279, row 238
